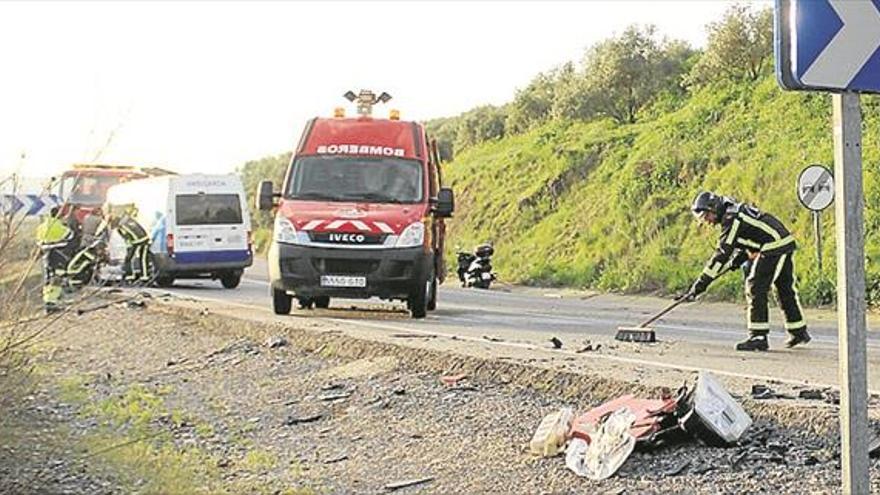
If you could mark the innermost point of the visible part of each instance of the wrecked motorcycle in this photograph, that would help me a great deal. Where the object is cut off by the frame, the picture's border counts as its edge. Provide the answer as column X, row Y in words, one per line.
column 475, row 270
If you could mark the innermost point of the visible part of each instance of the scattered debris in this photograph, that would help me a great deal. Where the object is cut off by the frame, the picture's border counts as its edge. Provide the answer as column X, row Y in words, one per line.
column 553, row 296
column 492, row 338
column 175, row 361
column 761, row 392
column 651, row 417
column 413, row 336
column 453, row 379
column 557, row 344
column 135, row 304
column 610, row 446
column 874, row 446
column 403, row 484
column 275, row 342
column 338, row 458
column 677, row 469
column 399, row 391
column 715, row 417
column 295, row 420
column 811, row 394
column 589, row 347
column 331, row 386
column 336, row 396
column 549, row 439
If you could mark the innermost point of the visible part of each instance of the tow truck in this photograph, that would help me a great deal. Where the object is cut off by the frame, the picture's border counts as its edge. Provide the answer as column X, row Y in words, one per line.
column 360, row 213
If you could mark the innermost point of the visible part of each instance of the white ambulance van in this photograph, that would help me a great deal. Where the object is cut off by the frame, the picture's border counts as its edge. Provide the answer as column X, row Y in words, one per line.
column 199, row 225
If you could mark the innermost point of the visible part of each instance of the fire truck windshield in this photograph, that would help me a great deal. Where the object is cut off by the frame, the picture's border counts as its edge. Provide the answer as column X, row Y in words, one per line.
column 84, row 189
column 356, row 178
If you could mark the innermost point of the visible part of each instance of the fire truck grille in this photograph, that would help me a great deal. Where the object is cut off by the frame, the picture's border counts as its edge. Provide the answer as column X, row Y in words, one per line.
column 340, row 266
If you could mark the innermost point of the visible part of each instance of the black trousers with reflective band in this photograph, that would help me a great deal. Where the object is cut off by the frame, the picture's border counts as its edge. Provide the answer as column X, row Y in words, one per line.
column 777, row 271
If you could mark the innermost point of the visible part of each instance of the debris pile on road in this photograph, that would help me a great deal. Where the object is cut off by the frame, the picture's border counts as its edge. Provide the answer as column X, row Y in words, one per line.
column 600, row 440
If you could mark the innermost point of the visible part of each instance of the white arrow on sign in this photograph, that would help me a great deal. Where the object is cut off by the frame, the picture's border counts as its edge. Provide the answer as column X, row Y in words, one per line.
column 851, row 47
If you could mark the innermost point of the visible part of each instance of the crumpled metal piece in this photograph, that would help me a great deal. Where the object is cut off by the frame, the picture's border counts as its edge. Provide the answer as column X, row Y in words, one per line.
column 610, row 446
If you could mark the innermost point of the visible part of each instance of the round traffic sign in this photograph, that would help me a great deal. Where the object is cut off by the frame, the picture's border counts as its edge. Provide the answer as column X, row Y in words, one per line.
column 815, row 187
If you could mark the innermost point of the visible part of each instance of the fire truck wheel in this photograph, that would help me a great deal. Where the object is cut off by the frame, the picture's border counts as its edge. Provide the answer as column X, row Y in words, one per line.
column 164, row 280
column 418, row 300
column 281, row 302
column 432, row 294
column 322, row 302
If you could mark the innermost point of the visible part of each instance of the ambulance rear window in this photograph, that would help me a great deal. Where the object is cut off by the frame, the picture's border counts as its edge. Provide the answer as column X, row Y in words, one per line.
column 208, row 209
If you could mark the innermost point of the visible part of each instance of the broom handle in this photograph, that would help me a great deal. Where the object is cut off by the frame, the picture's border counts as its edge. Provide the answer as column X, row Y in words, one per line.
column 676, row 303
column 665, row 310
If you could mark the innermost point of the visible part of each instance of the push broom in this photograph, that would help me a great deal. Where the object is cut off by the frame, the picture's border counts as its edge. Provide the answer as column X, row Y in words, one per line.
column 644, row 333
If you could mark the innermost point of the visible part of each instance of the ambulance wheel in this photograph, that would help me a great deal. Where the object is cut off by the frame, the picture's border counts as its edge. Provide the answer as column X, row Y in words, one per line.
column 164, row 281
column 305, row 302
column 230, row 280
column 418, row 300
column 281, row 302
column 322, row 302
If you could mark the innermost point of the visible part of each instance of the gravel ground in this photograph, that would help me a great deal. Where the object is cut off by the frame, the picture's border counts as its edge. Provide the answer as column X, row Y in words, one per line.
column 36, row 455
column 273, row 417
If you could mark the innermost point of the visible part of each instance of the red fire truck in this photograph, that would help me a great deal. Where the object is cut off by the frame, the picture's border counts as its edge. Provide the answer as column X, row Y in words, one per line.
column 83, row 188
column 360, row 214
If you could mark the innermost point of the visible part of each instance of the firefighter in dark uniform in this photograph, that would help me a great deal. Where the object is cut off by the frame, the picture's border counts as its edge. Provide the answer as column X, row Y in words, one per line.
column 92, row 244
column 748, row 234
column 137, row 241
column 55, row 236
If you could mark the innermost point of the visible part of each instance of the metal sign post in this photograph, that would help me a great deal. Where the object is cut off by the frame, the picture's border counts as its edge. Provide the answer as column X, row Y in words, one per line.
column 817, row 232
column 834, row 45
column 815, row 189
column 851, row 293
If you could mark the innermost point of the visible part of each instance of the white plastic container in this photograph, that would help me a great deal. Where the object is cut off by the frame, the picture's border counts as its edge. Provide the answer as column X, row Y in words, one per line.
column 552, row 433
column 716, row 417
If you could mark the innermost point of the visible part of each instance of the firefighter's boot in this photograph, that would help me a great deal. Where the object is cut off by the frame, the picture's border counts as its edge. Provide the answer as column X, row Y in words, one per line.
column 797, row 337
column 755, row 342
column 52, row 298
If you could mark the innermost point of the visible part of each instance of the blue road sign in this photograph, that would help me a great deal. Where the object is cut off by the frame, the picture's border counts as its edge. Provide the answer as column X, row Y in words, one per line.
column 828, row 45
column 28, row 204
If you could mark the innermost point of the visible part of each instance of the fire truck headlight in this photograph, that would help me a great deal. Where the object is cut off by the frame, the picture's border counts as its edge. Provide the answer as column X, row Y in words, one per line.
column 412, row 236
column 284, row 231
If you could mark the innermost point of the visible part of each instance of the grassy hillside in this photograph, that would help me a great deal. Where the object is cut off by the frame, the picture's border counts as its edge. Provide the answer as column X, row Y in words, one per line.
column 605, row 205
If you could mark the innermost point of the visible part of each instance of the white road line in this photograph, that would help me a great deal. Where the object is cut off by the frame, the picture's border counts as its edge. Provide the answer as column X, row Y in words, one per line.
column 612, row 323
column 521, row 345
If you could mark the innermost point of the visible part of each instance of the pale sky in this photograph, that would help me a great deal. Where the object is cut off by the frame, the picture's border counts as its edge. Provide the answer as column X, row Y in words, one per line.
column 206, row 86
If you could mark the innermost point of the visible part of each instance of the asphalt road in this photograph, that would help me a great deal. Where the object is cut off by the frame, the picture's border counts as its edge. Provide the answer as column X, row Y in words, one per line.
column 695, row 336
column 554, row 312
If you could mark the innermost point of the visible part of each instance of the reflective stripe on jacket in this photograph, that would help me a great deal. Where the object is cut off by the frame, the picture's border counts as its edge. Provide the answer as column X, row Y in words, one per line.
column 746, row 228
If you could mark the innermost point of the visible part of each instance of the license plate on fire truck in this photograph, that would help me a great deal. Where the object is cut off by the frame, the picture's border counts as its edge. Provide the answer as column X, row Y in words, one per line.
column 343, row 281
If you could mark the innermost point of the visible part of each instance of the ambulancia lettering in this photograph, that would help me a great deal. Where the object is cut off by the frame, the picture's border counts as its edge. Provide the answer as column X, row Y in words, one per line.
column 350, row 238
column 359, row 149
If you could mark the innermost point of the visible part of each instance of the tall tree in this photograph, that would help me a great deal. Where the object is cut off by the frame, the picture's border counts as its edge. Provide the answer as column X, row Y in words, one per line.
column 625, row 73
column 740, row 47
column 531, row 106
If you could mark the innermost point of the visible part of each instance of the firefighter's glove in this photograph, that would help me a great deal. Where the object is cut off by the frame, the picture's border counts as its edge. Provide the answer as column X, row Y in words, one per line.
column 699, row 286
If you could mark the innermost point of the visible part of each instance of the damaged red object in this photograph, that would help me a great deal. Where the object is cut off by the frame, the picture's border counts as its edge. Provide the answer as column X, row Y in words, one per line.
column 650, row 414
column 450, row 380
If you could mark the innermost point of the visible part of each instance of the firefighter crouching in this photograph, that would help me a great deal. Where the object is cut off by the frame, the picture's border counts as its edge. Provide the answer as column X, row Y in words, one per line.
column 138, row 265
column 93, row 241
column 56, row 240
column 748, row 234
